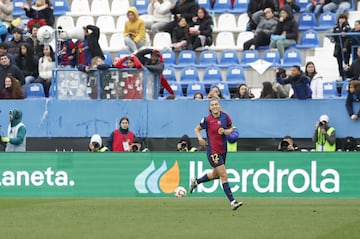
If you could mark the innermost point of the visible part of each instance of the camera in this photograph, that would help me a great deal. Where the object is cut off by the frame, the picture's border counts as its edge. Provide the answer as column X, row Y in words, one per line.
column 134, row 148
column 184, row 145
column 281, row 72
column 322, row 124
column 284, row 144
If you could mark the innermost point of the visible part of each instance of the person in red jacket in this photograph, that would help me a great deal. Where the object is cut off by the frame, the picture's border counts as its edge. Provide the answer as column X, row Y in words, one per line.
column 121, row 139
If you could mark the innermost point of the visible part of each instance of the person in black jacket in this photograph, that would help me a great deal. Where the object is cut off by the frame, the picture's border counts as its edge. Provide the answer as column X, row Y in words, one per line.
column 200, row 30
column 9, row 69
column 92, row 38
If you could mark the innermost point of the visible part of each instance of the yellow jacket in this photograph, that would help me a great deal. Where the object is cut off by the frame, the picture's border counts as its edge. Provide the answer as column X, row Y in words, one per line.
column 136, row 28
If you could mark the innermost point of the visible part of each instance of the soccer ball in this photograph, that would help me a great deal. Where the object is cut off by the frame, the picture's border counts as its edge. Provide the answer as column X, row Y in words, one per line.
column 180, row 192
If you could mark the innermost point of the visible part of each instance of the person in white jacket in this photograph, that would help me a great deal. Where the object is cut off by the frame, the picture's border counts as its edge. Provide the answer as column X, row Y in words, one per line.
column 159, row 12
column 316, row 83
column 46, row 65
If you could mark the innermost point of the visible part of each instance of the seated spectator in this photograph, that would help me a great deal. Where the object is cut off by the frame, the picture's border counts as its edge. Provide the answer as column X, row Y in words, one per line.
column 300, row 83
column 134, row 31
column 180, row 35
column 4, row 51
column 341, row 7
column 287, row 144
column 6, row 16
column 46, row 65
column 215, row 92
column 198, row 96
column 286, row 32
column 27, row 63
column 9, row 69
column 161, row 15
column 267, row 91
column 243, row 92
column 266, row 24
column 256, row 7
column 138, row 145
column 12, row 89
column 353, row 96
column 316, row 7
column 41, row 12
column 96, row 145
column 200, row 30
column 184, row 145
column 14, row 43
column 33, row 40
column 316, row 83
column 353, row 71
column 350, row 144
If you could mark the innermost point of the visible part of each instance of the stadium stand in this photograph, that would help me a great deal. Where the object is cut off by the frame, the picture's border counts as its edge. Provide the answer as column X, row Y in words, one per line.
column 222, row 6
column 123, row 53
column 240, row 6
column 272, row 56
column 66, row 22
column 119, row 7
column 169, row 73
column 228, row 58
column 306, row 21
column 84, row 21
column 235, row 75
column 177, row 88
column 169, row 57
column 249, row 56
column 120, row 23
column 292, row 57
column 18, row 10
column 99, row 7
column 141, row 6
column 212, row 74
column 79, row 8
column 162, row 41
column 207, row 58
column 189, row 74
column 34, row 90
column 242, row 38
column 106, row 24
column 224, row 88
column 103, row 42
column 309, row 39
column 108, row 58
column 344, row 89
column 61, row 7
column 326, row 21
column 226, row 22
column 205, row 4
column 330, row 90
column 116, row 42
column 186, row 58
column 194, row 87
column 224, row 40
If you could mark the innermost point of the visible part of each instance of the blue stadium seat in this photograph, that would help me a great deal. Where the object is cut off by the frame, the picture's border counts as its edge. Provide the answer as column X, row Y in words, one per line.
column 306, row 21
column 207, row 58
column 108, row 58
column 205, row 4
column 189, row 74
column 123, row 53
column 222, row 6
column 228, row 58
column 292, row 57
column 195, row 87
column 169, row 57
column 330, row 90
column 212, row 74
column 186, row 58
column 177, row 88
column 344, row 89
column 61, row 7
column 309, row 39
column 240, row 6
column 34, row 90
column 224, row 88
column 18, row 10
column 235, row 75
column 327, row 21
column 249, row 56
column 141, row 6
column 169, row 73
column 272, row 56
column 302, row 4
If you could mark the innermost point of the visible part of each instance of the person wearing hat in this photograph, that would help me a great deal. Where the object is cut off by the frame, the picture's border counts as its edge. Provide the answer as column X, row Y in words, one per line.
column 16, row 134
column 184, row 145
column 96, row 145
column 121, row 139
column 324, row 136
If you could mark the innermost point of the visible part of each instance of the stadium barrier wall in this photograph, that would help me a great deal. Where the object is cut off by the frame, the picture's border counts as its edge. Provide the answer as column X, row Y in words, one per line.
column 323, row 175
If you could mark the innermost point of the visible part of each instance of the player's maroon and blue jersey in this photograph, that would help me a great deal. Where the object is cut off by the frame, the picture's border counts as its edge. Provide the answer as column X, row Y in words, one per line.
column 216, row 142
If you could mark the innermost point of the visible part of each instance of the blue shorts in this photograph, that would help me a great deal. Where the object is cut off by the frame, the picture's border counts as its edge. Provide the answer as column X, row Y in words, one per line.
column 216, row 160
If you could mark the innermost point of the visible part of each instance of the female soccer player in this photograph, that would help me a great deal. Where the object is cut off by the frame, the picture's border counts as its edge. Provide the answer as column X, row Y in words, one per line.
column 217, row 125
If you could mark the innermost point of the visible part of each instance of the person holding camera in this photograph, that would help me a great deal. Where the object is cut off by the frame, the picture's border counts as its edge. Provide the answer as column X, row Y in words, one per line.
column 324, row 136
column 121, row 139
column 96, row 145
column 287, row 144
column 16, row 134
column 300, row 83
column 138, row 146
column 184, row 145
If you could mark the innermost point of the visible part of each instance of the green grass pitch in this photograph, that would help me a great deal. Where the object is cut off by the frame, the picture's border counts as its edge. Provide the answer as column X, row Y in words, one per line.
column 190, row 217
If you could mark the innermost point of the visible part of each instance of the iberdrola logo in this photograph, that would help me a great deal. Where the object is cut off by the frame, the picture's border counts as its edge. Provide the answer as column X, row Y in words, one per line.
column 153, row 180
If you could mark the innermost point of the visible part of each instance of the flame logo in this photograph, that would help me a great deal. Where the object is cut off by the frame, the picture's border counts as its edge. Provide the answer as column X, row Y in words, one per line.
column 152, row 180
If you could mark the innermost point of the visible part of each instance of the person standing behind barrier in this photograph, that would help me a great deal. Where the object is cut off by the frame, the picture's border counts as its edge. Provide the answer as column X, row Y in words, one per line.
column 218, row 125
column 134, row 31
column 121, row 139
column 16, row 133
column 184, row 144
column 353, row 96
column 324, row 136
column 316, row 83
column 96, row 145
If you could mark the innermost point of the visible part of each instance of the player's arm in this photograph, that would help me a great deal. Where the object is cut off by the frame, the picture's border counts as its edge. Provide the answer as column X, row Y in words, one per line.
column 197, row 130
column 229, row 130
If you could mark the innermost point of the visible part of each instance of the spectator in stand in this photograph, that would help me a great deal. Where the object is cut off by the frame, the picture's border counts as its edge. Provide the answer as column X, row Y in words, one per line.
column 353, row 40
column 184, row 144
column 4, row 51
column 161, row 15
column 292, row 4
column 200, row 30
column 257, row 7
column 180, row 35
column 27, row 63
column 266, row 25
column 316, row 83
column 121, row 139
column 353, row 96
column 13, row 89
column 182, row 8
column 92, row 77
column 41, row 12
column 198, row 96
column 286, row 33
column 216, row 93
column 46, row 65
column 67, row 53
column 300, row 83
column 267, row 91
column 353, row 71
column 342, row 54
column 9, row 69
column 134, row 31
column 243, row 92
column 316, row 7
column 96, row 145
column 324, row 135
column 341, row 7
column 33, row 40
column 14, row 43
column 6, row 15
column 287, row 144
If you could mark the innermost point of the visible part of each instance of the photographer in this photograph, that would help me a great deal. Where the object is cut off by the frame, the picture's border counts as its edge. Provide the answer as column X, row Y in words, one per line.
column 324, row 136
column 287, row 145
column 184, row 145
column 96, row 145
column 138, row 146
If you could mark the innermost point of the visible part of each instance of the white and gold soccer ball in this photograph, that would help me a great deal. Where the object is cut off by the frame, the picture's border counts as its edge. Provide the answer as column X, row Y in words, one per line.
column 180, row 192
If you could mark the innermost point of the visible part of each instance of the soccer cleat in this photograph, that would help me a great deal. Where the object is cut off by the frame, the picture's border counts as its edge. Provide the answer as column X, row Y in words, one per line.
column 235, row 205
column 193, row 184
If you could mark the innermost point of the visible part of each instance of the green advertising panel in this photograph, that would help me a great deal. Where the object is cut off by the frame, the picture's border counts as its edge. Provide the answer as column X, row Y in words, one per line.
column 254, row 174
